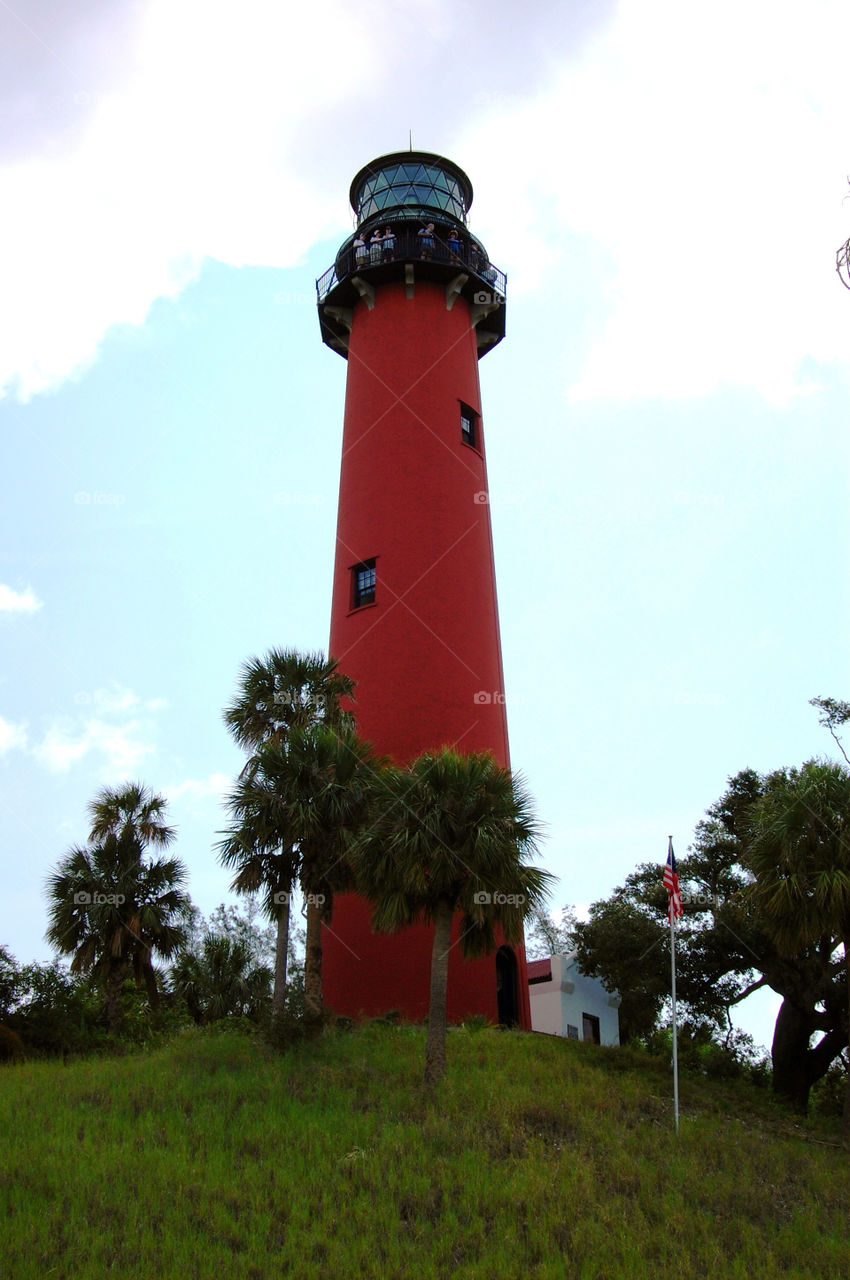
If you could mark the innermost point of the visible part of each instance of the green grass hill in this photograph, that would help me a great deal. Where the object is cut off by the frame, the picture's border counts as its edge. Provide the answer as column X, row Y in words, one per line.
column 213, row 1158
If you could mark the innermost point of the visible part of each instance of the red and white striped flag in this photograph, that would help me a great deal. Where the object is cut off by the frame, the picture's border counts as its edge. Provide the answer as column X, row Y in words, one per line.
column 671, row 884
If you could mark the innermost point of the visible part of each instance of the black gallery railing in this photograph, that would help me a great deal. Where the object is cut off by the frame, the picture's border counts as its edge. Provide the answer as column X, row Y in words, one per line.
column 411, row 246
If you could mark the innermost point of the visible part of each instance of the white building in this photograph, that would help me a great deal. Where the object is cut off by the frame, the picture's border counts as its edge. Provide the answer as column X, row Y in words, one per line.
column 566, row 1003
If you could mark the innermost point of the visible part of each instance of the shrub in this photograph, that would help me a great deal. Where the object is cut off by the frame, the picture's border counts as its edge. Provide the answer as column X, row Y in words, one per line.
column 56, row 1012
column 476, row 1022
column 829, row 1092
column 11, row 1047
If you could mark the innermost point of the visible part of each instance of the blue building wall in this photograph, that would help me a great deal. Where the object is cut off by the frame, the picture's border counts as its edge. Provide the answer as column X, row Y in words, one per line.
column 572, row 1005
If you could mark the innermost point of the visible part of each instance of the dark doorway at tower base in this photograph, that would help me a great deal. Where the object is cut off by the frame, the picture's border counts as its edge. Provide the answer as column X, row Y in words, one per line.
column 506, row 987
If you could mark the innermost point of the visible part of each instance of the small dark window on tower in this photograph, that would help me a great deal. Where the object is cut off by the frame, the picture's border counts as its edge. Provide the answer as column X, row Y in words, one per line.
column 363, row 584
column 468, row 425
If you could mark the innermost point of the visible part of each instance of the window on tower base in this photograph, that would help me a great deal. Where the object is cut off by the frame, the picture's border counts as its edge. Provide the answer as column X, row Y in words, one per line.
column 363, row 583
column 468, row 425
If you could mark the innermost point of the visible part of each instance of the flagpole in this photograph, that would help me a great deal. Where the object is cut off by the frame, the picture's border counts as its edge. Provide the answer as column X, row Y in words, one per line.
column 674, row 908
column 673, row 987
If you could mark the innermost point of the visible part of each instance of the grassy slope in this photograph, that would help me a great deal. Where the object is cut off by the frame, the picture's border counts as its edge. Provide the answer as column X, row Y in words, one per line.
column 212, row 1157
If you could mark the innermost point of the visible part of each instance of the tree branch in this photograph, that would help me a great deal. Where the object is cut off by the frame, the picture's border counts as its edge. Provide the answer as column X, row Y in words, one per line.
column 837, row 741
column 754, row 986
column 820, row 1058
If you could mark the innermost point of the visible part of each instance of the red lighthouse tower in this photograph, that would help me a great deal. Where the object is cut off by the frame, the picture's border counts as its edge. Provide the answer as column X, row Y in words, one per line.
column 413, row 302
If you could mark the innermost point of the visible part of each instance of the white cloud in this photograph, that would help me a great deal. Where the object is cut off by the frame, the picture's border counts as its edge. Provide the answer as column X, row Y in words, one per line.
column 192, row 156
column 217, row 784
column 113, row 725
column 115, row 698
column 121, row 747
column 11, row 735
column 12, row 601
column 701, row 155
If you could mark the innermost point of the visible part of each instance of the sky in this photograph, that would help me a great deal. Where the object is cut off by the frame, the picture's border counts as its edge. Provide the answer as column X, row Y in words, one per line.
column 665, row 186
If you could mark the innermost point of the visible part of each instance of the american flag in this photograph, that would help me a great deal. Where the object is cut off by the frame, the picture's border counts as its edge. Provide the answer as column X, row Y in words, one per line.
column 671, row 884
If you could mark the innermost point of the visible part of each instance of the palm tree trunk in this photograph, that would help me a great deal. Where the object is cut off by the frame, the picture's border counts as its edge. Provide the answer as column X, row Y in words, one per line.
column 280, row 957
column 313, row 967
column 435, row 1045
column 114, row 984
column 150, row 982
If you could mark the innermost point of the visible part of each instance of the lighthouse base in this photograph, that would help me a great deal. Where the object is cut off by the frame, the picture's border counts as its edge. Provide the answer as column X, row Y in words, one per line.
column 370, row 974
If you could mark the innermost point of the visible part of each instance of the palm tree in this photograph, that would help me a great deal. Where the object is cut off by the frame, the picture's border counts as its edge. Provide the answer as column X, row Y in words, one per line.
column 256, row 847
column 286, row 690
column 800, row 856
column 111, row 907
column 326, row 778
column 131, row 812
column 279, row 693
column 306, row 794
column 221, row 979
column 449, row 834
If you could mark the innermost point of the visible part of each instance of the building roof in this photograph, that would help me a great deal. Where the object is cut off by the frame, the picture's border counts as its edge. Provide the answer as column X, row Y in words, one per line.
column 540, row 970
